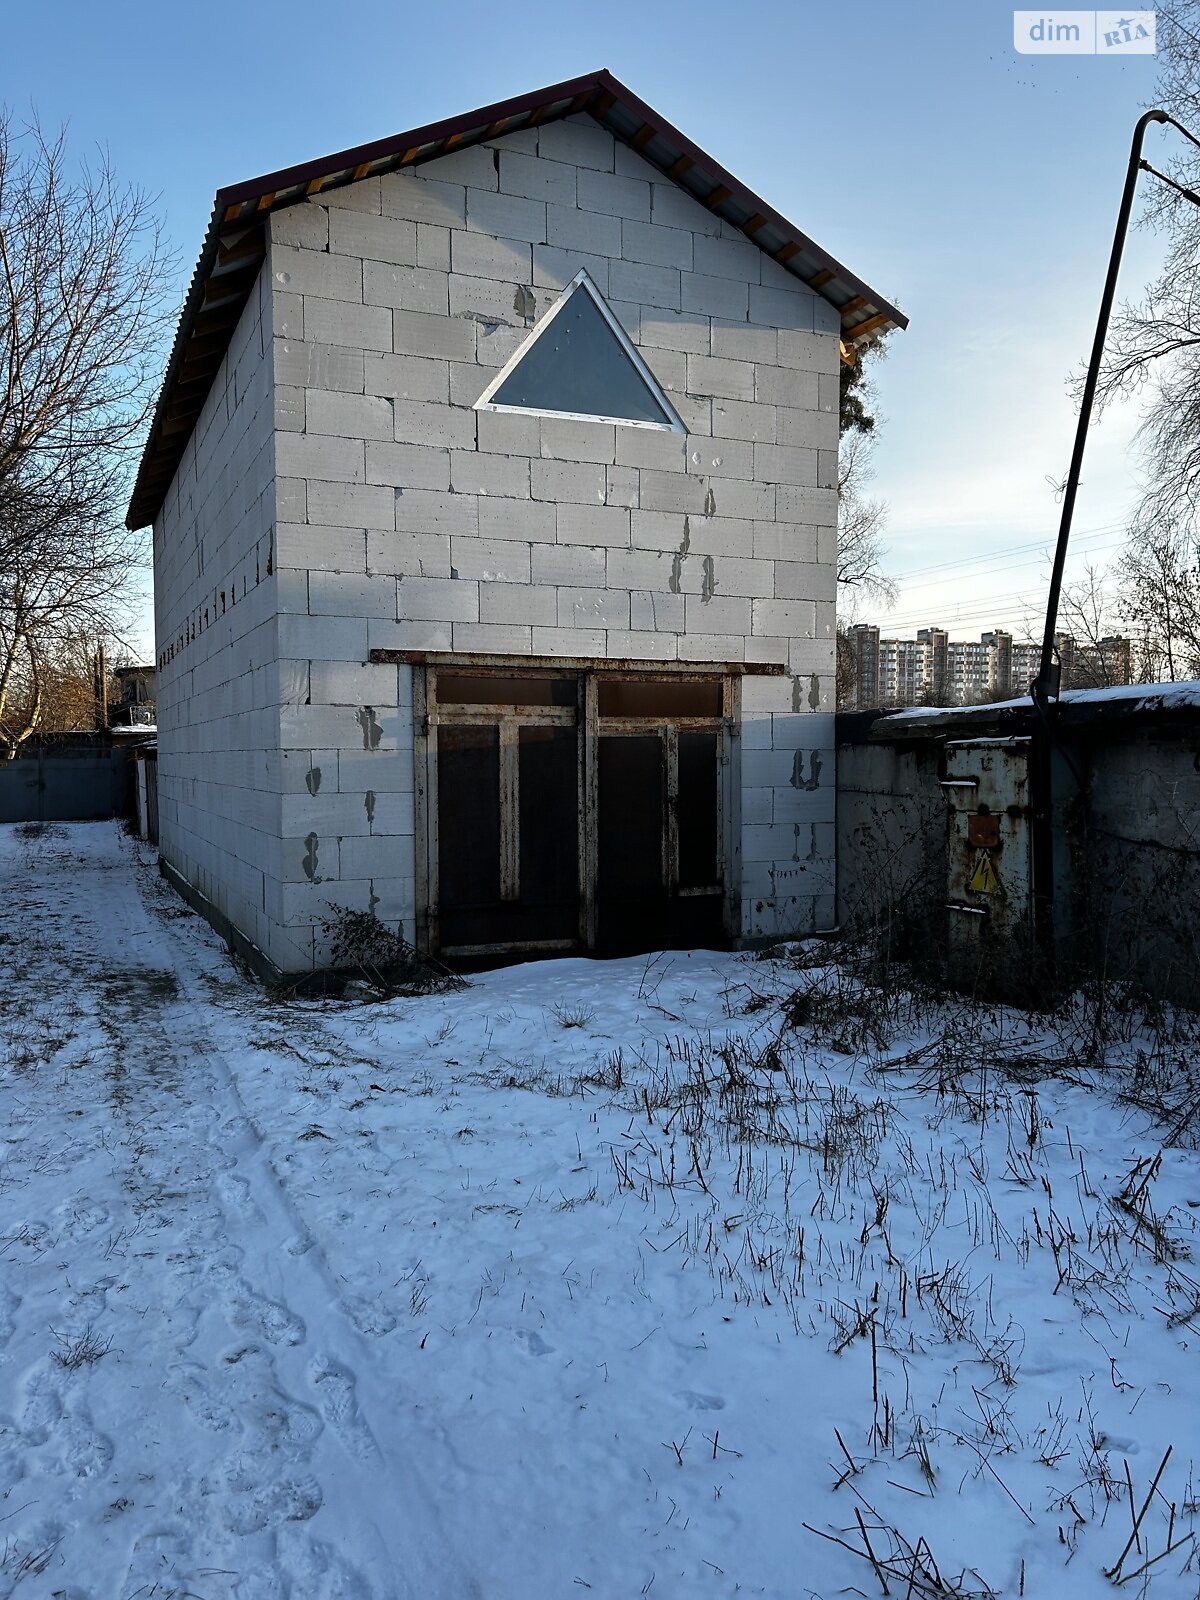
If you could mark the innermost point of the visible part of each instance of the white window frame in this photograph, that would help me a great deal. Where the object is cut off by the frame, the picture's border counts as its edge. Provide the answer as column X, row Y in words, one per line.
column 581, row 281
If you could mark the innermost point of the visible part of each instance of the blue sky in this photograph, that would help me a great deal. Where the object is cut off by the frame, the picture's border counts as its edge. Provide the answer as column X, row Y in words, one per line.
column 975, row 187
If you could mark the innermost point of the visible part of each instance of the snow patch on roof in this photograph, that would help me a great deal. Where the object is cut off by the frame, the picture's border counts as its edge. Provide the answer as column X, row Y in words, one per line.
column 1143, row 696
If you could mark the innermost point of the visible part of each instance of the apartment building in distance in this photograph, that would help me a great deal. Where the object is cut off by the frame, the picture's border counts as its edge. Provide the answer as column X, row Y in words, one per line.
column 933, row 669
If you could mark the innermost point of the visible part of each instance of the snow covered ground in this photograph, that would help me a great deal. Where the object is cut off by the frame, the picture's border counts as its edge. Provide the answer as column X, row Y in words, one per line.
column 601, row 1278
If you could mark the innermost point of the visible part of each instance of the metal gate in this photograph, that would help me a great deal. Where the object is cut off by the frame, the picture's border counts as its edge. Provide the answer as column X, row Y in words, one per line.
column 65, row 782
column 989, row 862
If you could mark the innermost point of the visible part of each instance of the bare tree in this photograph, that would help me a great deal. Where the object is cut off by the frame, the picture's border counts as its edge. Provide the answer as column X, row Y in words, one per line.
column 1087, row 615
column 1160, row 600
column 1154, row 343
column 69, row 691
column 82, row 313
column 846, row 669
column 861, row 518
column 860, row 546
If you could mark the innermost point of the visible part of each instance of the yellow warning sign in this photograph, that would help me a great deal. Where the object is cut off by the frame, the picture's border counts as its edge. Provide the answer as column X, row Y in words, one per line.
column 984, row 879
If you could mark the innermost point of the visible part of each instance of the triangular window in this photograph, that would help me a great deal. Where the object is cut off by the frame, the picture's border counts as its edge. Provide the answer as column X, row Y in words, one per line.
column 579, row 362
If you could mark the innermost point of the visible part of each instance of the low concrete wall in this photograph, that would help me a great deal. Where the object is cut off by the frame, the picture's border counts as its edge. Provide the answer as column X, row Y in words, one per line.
column 66, row 783
column 1126, row 806
column 1142, row 848
column 891, row 841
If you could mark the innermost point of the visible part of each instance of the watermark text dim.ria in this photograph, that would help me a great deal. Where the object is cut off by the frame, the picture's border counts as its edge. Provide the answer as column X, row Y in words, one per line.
column 1086, row 33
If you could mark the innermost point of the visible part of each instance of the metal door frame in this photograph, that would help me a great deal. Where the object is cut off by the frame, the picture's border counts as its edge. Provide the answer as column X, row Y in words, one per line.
column 585, row 716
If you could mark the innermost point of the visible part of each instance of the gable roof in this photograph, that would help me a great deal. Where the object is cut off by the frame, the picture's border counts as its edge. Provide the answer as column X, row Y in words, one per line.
column 235, row 243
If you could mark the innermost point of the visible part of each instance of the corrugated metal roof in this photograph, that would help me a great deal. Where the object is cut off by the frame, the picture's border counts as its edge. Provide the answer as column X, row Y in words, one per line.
column 235, row 243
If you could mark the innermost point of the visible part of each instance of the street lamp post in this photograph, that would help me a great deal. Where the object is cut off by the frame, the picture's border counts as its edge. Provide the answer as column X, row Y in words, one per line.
column 1046, row 686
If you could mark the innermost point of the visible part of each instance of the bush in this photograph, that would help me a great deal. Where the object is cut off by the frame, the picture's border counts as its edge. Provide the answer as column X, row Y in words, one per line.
column 365, row 948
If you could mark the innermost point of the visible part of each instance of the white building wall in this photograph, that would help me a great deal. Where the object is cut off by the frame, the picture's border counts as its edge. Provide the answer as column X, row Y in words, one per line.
column 215, row 598
column 406, row 519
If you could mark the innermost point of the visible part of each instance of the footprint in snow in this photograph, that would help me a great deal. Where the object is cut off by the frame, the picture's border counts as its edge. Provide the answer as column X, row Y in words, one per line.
column 235, row 1195
column 534, row 1342
column 224, row 1265
column 201, row 1260
column 189, row 1382
column 318, row 1571
column 183, row 1318
column 287, row 1426
column 85, row 1453
column 369, row 1316
column 90, row 1299
column 701, row 1402
column 43, row 1407
column 198, row 1122
column 12, row 1451
column 339, row 1406
column 77, row 1220
column 254, row 1501
column 9, row 1305
column 235, row 1128
column 160, row 1565
column 274, row 1322
column 33, row 1238
column 31, row 1551
column 264, row 1582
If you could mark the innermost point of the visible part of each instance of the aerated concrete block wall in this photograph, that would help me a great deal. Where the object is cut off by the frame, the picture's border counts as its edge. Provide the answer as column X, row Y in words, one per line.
column 406, row 519
column 215, row 600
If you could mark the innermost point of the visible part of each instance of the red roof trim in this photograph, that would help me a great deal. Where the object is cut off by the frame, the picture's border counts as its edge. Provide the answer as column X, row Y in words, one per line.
column 432, row 133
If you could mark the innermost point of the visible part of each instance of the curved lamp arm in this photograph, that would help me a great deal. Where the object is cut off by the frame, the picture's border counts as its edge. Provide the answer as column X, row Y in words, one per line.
column 1045, row 687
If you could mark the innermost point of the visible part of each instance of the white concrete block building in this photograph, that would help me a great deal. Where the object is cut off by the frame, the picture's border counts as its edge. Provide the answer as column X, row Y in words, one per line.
column 493, row 485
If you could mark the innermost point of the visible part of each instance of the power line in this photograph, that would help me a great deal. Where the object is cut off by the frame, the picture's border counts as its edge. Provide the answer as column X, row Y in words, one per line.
column 1006, row 566
column 972, row 606
column 1000, row 561
column 994, row 555
column 978, row 612
column 963, row 628
column 1041, row 543
column 976, row 607
column 968, row 605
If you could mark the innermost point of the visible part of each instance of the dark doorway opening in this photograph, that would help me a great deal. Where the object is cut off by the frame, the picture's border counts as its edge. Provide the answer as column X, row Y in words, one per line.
column 583, row 811
column 659, row 879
